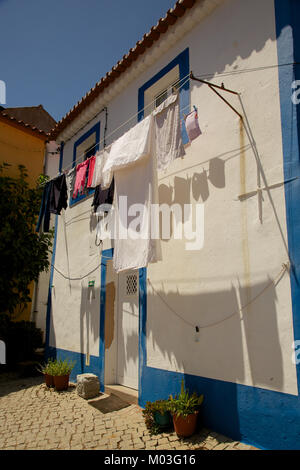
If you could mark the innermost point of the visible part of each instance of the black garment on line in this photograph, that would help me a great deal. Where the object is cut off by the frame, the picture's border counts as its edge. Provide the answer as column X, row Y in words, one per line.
column 103, row 196
column 54, row 198
column 58, row 194
column 44, row 209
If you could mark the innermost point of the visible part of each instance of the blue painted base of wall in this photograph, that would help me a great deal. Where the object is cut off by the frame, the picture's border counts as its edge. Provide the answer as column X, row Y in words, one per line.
column 262, row 418
column 80, row 366
column 255, row 416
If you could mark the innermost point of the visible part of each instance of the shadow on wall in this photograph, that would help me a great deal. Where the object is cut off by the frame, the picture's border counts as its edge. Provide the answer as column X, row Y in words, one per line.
column 225, row 343
column 50, row 351
column 236, row 39
column 196, row 186
column 89, row 321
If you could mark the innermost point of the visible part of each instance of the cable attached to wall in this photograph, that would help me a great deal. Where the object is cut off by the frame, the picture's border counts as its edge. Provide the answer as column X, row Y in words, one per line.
column 285, row 268
column 68, row 278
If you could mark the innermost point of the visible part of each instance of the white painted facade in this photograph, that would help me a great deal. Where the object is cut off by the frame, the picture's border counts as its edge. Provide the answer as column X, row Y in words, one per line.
column 245, row 241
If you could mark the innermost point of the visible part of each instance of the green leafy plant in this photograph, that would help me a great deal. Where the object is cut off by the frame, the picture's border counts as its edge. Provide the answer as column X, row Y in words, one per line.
column 61, row 367
column 24, row 253
column 185, row 403
column 151, row 408
column 47, row 368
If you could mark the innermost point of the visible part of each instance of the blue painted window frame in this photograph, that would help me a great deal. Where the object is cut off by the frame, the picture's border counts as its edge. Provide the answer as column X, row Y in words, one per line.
column 95, row 129
column 183, row 62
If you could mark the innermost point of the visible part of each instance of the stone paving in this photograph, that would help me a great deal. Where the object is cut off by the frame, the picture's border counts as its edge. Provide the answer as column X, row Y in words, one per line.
column 35, row 417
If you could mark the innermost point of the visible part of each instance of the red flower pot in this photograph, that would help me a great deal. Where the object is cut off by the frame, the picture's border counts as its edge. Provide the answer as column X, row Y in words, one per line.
column 61, row 382
column 185, row 426
column 49, row 380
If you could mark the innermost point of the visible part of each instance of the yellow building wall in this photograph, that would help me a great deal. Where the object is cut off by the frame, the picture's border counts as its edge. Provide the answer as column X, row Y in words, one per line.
column 22, row 147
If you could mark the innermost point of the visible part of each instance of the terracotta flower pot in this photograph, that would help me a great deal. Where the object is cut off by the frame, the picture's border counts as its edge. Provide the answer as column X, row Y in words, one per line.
column 61, row 382
column 185, row 426
column 49, row 380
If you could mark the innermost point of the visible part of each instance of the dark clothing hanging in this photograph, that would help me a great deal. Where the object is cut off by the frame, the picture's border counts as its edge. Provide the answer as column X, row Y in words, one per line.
column 58, row 194
column 45, row 209
column 103, row 196
column 54, row 198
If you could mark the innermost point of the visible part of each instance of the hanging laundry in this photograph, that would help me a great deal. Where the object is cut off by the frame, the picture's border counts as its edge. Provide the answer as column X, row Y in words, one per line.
column 192, row 126
column 128, row 149
column 132, row 162
column 45, row 209
column 91, row 170
column 80, row 180
column 105, row 226
column 58, row 195
column 70, row 178
column 98, row 158
column 134, row 248
column 99, row 176
column 103, row 196
column 168, row 132
column 54, row 198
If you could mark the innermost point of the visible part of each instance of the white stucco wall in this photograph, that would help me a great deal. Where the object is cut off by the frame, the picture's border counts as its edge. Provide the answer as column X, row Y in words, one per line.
column 241, row 254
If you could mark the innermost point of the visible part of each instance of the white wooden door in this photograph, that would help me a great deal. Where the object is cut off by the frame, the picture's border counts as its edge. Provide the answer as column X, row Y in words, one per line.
column 128, row 329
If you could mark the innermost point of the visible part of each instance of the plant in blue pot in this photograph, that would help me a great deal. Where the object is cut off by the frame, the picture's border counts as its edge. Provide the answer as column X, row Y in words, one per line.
column 157, row 416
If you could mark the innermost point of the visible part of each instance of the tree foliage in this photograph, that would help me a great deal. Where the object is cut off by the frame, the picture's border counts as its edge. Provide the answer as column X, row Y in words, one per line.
column 23, row 252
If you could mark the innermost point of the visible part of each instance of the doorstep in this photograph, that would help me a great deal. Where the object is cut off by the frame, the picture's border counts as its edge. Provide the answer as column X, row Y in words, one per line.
column 129, row 395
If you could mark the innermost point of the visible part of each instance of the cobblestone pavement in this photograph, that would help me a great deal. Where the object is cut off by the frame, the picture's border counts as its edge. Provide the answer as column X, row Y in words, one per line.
column 35, row 417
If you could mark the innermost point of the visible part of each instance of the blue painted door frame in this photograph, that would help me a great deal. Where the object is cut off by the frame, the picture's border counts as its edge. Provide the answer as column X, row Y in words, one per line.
column 106, row 256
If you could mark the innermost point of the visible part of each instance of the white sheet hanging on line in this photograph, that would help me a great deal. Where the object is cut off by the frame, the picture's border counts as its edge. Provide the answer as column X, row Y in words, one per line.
column 132, row 161
column 128, row 149
column 134, row 247
column 168, row 132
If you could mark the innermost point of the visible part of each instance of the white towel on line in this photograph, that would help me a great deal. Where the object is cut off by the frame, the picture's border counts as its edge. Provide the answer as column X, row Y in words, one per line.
column 99, row 177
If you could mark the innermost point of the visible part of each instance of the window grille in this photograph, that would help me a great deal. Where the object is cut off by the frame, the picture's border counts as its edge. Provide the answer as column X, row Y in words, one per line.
column 131, row 284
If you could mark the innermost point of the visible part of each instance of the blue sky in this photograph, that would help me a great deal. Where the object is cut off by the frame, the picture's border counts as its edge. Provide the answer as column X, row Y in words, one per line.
column 53, row 52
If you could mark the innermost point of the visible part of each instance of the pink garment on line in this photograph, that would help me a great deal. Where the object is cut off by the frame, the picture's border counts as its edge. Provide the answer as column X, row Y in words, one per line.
column 192, row 125
column 80, row 178
column 91, row 170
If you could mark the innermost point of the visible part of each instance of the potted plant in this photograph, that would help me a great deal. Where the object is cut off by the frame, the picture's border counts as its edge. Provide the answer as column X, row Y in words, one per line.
column 184, row 409
column 61, row 370
column 157, row 416
column 47, row 371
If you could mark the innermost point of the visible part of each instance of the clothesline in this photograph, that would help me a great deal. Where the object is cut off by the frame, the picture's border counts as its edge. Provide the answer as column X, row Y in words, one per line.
column 237, row 72
column 152, row 144
column 185, row 79
column 225, row 74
